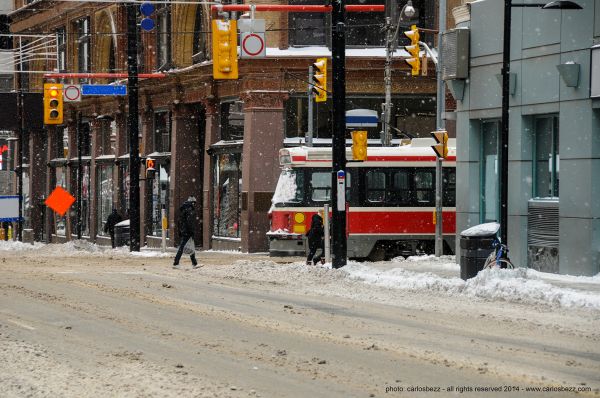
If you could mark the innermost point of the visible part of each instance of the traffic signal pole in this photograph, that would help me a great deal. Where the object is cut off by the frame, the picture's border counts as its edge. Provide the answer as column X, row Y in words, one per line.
column 133, row 127
column 338, row 59
column 441, row 125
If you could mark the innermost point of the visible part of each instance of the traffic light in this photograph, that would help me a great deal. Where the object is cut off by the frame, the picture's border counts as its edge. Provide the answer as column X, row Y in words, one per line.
column 441, row 148
column 415, row 60
column 53, row 103
column 320, row 80
column 359, row 145
column 150, row 169
column 224, row 47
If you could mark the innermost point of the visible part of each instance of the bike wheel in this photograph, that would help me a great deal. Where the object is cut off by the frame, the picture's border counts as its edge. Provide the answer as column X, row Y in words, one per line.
column 490, row 262
column 505, row 263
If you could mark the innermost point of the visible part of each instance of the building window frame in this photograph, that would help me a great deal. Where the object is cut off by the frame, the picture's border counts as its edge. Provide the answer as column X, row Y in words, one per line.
column 541, row 143
column 489, row 195
column 84, row 38
column 199, row 47
column 161, row 137
column 61, row 47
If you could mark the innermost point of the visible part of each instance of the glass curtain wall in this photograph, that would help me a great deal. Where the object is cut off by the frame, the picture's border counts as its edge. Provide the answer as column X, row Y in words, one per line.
column 227, row 193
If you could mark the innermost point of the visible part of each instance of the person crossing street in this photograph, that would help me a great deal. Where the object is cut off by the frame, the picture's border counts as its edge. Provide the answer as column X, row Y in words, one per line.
column 186, row 225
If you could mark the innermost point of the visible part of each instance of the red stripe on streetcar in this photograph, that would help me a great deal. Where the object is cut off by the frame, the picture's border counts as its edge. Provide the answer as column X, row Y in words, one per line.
column 382, row 158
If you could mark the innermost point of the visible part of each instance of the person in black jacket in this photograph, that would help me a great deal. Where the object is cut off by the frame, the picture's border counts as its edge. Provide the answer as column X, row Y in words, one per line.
column 186, row 224
column 316, row 241
column 113, row 219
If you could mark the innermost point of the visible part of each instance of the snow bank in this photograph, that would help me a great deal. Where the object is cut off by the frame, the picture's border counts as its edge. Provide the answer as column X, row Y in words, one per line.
column 78, row 248
column 8, row 245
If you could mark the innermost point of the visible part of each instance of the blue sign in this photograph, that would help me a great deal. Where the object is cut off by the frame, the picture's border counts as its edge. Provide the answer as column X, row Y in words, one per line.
column 103, row 89
column 147, row 24
column 147, row 9
column 361, row 118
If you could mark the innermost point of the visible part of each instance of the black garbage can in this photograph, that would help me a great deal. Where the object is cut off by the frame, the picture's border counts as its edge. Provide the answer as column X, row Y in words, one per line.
column 122, row 234
column 475, row 247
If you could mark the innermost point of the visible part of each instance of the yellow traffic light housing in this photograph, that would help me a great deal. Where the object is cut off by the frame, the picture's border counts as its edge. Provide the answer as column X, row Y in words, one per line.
column 53, row 103
column 320, row 80
column 359, row 145
column 415, row 60
column 224, row 48
column 441, row 148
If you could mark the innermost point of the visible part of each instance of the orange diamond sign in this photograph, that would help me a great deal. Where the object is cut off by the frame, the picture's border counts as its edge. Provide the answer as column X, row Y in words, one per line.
column 60, row 201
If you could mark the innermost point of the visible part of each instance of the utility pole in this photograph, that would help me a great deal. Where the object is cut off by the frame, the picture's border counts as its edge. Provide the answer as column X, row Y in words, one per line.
column 20, row 107
column 133, row 127
column 441, row 125
column 338, row 192
column 386, row 138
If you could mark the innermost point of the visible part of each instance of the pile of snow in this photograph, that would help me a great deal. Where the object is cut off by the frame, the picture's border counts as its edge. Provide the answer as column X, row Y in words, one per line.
column 78, row 248
column 286, row 187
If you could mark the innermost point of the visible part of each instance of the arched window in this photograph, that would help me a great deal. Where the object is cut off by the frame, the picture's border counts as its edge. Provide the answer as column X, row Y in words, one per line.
column 199, row 51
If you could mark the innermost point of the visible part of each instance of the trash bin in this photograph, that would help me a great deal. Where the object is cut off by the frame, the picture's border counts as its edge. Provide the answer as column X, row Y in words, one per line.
column 122, row 234
column 475, row 247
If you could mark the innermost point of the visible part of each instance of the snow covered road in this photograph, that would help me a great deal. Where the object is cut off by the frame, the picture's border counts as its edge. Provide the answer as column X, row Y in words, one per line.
column 79, row 320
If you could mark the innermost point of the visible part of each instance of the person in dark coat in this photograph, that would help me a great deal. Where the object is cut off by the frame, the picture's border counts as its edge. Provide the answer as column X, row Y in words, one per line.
column 316, row 241
column 186, row 224
column 113, row 219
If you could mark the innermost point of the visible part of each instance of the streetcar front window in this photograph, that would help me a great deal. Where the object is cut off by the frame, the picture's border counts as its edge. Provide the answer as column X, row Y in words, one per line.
column 320, row 186
column 290, row 187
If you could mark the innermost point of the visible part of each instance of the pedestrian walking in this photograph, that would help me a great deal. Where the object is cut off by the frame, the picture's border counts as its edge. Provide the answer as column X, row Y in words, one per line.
column 186, row 225
column 113, row 219
column 316, row 241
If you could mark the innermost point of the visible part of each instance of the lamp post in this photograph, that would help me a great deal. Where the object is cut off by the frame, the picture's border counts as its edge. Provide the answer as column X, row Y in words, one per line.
column 554, row 5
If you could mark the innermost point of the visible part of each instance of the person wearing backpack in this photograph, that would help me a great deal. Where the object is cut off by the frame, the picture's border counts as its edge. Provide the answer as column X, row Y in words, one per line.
column 186, row 225
column 316, row 241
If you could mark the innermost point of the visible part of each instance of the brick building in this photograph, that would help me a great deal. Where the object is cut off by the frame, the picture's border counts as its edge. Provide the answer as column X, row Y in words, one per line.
column 216, row 140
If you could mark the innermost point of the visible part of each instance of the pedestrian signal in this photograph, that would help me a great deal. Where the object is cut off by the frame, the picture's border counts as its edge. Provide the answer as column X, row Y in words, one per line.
column 359, row 145
column 150, row 169
column 413, row 49
column 53, row 103
column 319, row 78
column 225, row 63
column 441, row 148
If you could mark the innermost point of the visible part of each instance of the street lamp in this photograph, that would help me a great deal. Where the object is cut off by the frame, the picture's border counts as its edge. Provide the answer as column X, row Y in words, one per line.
column 554, row 5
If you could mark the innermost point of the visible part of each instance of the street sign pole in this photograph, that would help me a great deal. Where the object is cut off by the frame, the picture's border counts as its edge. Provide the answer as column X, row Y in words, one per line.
column 133, row 127
column 441, row 125
column 338, row 59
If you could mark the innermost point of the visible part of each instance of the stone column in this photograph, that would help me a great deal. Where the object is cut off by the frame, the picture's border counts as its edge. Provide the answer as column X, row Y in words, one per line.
column 37, row 181
column 186, row 167
column 263, row 137
column 71, row 174
column 212, row 136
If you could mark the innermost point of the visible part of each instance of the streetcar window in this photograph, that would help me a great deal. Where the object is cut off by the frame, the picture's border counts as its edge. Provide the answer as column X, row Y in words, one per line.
column 320, row 186
column 449, row 187
column 376, row 186
column 290, row 187
column 425, row 187
column 400, row 192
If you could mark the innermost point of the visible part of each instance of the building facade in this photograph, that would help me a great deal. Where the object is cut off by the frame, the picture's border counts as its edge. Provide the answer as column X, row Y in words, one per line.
column 215, row 140
column 554, row 132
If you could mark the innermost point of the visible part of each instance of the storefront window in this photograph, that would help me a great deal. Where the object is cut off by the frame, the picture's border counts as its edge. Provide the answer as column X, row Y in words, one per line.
column 489, row 171
column 104, row 192
column 546, row 164
column 61, row 181
column 124, row 194
column 86, row 201
column 160, row 197
column 26, row 200
column 232, row 120
column 162, row 131
column 227, row 195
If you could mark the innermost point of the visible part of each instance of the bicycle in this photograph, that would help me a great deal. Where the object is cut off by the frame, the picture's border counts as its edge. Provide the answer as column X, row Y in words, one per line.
column 499, row 257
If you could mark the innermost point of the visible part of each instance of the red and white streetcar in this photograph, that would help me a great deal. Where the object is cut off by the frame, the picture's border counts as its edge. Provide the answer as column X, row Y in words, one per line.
column 391, row 200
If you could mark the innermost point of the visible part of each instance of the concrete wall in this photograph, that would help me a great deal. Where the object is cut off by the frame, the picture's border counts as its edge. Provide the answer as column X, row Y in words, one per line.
column 541, row 40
